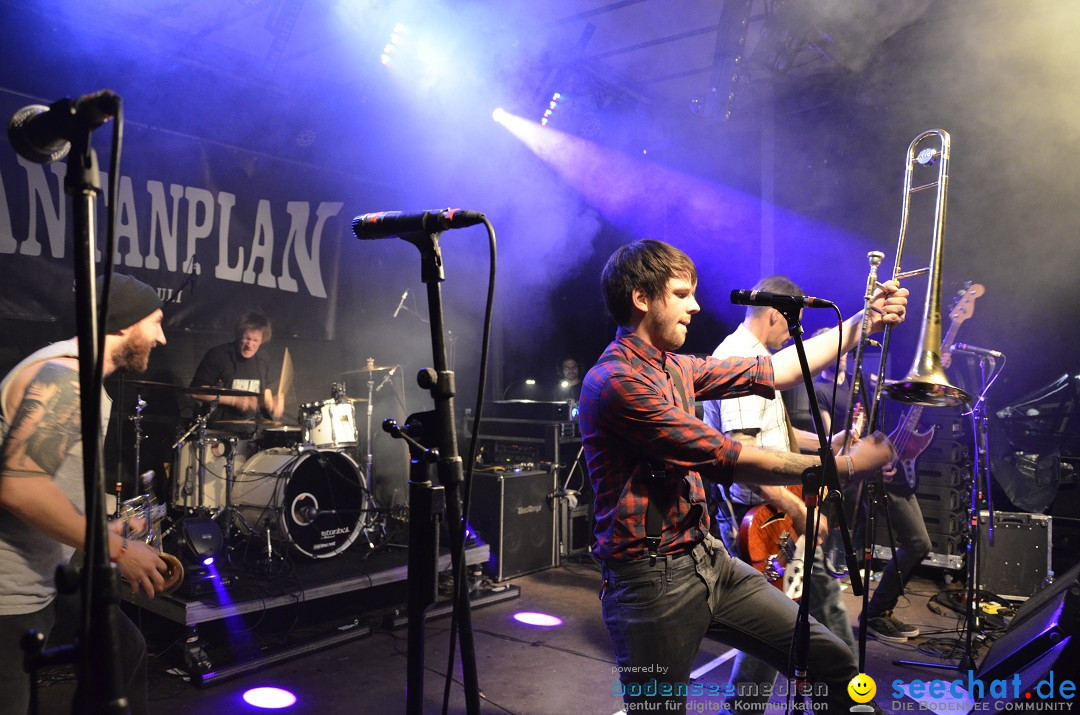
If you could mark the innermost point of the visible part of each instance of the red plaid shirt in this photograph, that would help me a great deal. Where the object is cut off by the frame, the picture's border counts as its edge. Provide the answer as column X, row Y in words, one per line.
column 633, row 418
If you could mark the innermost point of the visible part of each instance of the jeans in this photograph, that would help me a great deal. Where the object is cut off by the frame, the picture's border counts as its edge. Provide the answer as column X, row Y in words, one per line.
column 59, row 622
column 826, row 606
column 912, row 546
column 657, row 616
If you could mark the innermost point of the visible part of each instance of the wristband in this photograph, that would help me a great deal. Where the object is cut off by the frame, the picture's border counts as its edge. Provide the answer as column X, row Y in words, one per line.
column 850, row 466
column 123, row 550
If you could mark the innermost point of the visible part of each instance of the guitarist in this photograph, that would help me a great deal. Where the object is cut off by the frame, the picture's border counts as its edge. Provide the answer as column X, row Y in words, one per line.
column 911, row 538
column 764, row 423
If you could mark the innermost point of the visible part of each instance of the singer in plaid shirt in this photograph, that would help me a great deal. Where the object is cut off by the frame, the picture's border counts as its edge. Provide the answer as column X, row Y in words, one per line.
column 643, row 407
column 635, row 423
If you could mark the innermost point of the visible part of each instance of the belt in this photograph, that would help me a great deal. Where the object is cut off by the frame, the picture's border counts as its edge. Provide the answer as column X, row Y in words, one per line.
column 664, row 562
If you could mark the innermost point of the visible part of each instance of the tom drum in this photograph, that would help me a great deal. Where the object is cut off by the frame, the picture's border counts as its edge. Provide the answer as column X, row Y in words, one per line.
column 330, row 424
column 186, row 470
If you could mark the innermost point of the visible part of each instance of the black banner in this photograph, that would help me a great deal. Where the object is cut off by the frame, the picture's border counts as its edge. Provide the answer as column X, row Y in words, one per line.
column 215, row 229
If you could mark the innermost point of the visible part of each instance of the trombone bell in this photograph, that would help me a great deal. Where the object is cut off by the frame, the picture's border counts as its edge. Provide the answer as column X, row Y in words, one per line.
column 928, row 388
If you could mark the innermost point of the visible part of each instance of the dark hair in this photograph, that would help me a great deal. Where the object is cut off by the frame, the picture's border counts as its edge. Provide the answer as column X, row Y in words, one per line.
column 254, row 320
column 773, row 284
column 644, row 265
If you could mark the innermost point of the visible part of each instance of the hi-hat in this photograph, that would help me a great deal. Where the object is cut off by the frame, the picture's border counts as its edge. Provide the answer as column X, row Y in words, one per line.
column 219, row 391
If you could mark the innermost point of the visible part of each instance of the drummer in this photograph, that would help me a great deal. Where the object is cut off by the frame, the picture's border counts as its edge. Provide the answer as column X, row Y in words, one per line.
column 239, row 365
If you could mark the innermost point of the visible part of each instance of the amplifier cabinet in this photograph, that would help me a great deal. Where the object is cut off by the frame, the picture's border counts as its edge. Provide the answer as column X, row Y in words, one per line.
column 1018, row 563
column 514, row 513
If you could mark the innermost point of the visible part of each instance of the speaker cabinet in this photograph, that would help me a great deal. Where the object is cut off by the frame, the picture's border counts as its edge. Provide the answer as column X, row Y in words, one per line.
column 513, row 512
column 1040, row 647
column 1017, row 564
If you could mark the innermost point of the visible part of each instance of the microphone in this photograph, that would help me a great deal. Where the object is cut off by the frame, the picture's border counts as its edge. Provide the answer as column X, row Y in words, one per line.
column 306, row 514
column 387, row 378
column 975, row 350
column 778, row 300
column 387, row 224
column 43, row 134
column 401, row 302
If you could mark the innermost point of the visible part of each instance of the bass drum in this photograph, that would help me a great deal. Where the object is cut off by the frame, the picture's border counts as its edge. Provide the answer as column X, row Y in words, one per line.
column 313, row 499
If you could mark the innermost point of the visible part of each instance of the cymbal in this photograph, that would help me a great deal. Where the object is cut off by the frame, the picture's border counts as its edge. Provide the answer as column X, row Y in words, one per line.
column 266, row 424
column 373, row 368
column 219, row 391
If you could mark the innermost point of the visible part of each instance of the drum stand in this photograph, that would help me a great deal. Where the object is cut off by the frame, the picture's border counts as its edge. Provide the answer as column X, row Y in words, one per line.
column 230, row 512
column 369, row 474
column 199, row 427
column 136, row 419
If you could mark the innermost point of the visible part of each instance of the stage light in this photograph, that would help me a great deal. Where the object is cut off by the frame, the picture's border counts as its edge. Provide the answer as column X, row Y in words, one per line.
column 542, row 620
column 553, row 104
column 208, row 561
column 269, row 698
column 396, row 38
column 521, row 389
column 498, row 114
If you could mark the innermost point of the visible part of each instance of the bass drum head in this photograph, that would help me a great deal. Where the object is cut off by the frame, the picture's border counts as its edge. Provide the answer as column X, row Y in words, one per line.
column 323, row 504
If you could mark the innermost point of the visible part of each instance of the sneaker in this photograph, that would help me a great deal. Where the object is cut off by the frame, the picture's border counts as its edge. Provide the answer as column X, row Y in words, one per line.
column 882, row 628
column 909, row 631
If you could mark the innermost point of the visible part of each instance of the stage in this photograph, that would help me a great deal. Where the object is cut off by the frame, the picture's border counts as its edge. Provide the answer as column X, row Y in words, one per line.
column 522, row 669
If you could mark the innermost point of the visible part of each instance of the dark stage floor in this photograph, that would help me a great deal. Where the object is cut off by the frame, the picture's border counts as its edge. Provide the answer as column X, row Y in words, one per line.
column 522, row 669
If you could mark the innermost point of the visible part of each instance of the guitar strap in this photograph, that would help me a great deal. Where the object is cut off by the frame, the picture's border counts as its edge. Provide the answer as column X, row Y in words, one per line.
column 658, row 495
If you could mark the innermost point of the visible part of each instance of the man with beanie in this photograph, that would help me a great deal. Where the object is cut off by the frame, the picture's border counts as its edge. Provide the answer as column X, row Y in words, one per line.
column 42, row 494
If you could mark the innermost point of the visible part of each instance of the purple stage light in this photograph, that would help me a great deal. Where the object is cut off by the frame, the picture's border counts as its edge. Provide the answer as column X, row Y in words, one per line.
column 542, row 620
column 208, row 560
column 269, row 698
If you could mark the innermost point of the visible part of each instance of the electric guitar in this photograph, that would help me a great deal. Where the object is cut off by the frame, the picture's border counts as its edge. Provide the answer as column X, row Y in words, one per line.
column 767, row 539
column 767, row 542
column 906, row 438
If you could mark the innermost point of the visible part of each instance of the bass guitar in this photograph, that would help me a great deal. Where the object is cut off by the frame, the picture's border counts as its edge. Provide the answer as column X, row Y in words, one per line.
column 906, row 438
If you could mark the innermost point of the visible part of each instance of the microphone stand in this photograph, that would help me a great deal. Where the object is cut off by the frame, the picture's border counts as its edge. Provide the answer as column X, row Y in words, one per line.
column 432, row 439
column 980, row 481
column 100, row 682
column 812, row 481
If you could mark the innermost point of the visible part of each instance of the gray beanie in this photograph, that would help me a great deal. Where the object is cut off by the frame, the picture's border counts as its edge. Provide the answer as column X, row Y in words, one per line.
column 130, row 301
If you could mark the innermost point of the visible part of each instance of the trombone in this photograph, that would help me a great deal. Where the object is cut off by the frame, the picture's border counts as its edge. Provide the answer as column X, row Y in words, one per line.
column 925, row 383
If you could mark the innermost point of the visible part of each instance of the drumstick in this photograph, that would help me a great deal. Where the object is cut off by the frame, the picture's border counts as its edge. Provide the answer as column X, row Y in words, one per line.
column 285, row 383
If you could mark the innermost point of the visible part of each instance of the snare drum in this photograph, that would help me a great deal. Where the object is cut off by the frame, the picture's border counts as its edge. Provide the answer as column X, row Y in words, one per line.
column 315, row 500
column 283, row 436
column 330, row 424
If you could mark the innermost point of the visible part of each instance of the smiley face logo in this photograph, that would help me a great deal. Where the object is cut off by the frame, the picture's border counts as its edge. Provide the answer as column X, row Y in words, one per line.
column 862, row 688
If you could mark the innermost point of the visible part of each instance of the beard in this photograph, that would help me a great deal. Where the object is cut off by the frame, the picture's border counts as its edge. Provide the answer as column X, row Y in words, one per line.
column 133, row 354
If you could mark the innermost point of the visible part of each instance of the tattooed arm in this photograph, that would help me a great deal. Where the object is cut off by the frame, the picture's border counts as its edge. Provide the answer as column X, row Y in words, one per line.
column 770, row 467
column 44, row 428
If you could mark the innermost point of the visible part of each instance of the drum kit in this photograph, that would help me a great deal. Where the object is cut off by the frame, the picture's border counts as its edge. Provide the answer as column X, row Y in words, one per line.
column 302, row 485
